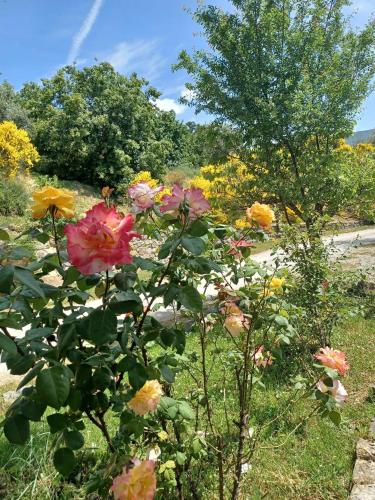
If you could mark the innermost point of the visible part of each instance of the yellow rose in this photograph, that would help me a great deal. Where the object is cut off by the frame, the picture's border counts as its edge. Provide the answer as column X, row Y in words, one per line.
column 276, row 282
column 50, row 198
column 261, row 214
column 147, row 398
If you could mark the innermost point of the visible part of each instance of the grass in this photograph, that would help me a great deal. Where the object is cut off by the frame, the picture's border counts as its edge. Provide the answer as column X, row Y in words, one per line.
column 316, row 463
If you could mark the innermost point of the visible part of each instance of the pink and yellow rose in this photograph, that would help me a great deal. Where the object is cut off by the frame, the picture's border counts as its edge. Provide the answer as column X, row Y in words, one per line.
column 236, row 324
column 100, row 240
column 334, row 359
column 143, row 196
column 136, row 483
column 147, row 398
column 193, row 198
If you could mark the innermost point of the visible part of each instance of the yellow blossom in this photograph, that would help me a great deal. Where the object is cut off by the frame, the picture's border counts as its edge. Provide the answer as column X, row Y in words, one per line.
column 145, row 176
column 241, row 224
column 276, row 282
column 261, row 214
column 16, row 150
column 147, row 398
column 61, row 201
column 163, row 192
column 202, row 183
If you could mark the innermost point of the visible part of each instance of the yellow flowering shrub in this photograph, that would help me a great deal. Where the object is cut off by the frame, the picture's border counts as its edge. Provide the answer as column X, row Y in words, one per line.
column 16, row 150
column 145, row 176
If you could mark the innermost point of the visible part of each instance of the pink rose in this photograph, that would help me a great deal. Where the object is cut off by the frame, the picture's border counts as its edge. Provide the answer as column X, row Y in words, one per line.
column 193, row 197
column 337, row 391
column 143, row 196
column 100, row 240
column 333, row 359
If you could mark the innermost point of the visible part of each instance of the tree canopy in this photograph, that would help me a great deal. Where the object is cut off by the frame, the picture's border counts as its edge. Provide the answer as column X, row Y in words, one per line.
column 98, row 126
column 290, row 76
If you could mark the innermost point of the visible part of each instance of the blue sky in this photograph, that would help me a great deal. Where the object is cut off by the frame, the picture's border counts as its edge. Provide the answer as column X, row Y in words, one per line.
column 39, row 36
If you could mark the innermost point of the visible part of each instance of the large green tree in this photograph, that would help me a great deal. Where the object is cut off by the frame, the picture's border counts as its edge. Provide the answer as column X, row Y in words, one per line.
column 290, row 76
column 99, row 127
column 11, row 108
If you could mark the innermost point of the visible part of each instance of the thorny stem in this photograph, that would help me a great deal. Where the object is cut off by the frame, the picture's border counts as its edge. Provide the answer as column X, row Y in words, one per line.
column 103, row 427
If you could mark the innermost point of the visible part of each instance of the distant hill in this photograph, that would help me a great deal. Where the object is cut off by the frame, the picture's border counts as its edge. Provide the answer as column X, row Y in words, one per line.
column 361, row 136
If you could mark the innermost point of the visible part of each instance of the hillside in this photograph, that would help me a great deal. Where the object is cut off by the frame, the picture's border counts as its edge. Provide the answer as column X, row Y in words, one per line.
column 361, row 136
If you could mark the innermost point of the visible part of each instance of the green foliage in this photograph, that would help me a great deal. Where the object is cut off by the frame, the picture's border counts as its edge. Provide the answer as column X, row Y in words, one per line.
column 14, row 198
column 12, row 109
column 83, row 363
column 99, row 127
column 289, row 76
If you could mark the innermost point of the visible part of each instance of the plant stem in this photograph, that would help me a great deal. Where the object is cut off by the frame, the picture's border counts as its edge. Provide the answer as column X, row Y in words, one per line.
column 55, row 236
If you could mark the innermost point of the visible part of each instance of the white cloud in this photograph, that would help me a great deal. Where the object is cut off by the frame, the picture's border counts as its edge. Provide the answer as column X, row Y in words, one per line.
column 84, row 30
column 141, row 57
column 168, row 104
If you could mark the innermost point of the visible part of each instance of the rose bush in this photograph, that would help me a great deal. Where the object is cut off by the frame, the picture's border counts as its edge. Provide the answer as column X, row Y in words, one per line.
column 93, row 353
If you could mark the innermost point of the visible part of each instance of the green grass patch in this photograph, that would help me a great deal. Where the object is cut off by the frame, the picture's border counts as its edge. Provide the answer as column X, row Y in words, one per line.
column 314, row 463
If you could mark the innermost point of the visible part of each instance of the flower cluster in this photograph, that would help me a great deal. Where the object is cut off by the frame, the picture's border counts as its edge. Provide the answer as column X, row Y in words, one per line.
column 16, row 150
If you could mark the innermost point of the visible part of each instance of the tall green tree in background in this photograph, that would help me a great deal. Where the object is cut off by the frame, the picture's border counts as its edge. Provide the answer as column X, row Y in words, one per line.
column 99, row 127
column 11, row 108
column 290, row 77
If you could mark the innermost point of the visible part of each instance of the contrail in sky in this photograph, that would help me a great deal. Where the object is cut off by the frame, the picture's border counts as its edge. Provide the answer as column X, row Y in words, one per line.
column 84, row 30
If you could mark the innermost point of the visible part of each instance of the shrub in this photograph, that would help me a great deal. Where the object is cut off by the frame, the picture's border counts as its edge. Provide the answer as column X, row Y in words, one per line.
column 13, row 197
column 16, row 150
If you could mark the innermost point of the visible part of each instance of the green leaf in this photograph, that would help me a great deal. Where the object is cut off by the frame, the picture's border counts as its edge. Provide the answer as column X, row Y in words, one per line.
column 281, row 320
column 6, row 279
column 72, row 274
column 335, row 417
column 19, row 364
column 7, row 344
column 167, row 373
column 17, row 429
column 190, row 298
column 57, row 422
column 53, row 386
column 137, row 376
column 64, row 461
column 66, row 336
column 180, row 458
column 32, row 373
column 185, row 411
column 193, row 245
column 102, row 326
column 198, row 228
column 4, row 236
column 145, row 264
column 170, row 295
column 74, row 440
column 27, row 279
column 124, row 281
